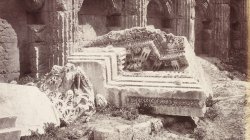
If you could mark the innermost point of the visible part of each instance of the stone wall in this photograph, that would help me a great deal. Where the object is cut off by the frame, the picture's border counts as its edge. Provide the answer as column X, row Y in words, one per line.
column 9, row 53
column 220, row 31
column 14, row 14
column 48, row 30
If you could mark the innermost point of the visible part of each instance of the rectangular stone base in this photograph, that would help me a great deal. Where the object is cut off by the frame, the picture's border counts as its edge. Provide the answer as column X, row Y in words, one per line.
column 179, row 102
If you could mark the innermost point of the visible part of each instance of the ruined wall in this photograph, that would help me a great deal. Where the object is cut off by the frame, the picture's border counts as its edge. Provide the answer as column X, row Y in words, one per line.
column 220, row 31
column 15, row 15
column 9, row 53
column 238, row 35
column 172, row 16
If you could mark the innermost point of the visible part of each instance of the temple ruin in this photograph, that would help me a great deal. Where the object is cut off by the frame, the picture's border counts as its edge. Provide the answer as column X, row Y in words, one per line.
column 128, row 53
column 47, row 31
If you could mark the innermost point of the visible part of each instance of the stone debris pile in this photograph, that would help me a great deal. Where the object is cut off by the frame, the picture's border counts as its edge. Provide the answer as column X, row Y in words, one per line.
column 70, row 92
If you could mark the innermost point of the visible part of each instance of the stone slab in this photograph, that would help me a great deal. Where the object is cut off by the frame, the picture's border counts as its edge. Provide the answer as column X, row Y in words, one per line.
column 10, row 134
column 31, row 107
column 7, row 122
column 162, row 100
column 109, row 128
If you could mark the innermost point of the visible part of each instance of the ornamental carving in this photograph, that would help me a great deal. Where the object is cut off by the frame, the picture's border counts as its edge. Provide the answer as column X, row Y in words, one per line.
column 147, row 49
column 134, row 100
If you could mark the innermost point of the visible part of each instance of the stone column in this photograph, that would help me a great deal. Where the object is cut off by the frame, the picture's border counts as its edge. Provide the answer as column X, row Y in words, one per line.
column 134, row 14
column 62, row 21
column 185, row 14
column 221, row 28
column 51, row 40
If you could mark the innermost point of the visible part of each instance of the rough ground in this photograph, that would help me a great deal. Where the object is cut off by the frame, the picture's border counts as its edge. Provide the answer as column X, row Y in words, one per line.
column 225, row 118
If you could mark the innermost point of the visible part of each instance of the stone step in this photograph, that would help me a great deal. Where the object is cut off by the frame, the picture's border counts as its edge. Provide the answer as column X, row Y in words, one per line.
column 7, row 122
column 10, row 134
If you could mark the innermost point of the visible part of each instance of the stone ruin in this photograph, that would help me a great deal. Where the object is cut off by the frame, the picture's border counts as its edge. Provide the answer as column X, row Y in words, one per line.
column 145, row 67
column 70, row 91
column 9, row 52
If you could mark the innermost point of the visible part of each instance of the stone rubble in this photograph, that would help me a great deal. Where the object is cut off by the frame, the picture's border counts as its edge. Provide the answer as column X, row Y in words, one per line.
column 70, row 91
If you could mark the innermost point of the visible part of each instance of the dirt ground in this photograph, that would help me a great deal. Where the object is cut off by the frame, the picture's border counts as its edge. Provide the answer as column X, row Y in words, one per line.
column 225, row 118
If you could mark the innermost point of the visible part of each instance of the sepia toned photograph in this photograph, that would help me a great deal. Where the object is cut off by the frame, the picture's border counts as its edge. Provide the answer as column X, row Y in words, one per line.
column 124, row 70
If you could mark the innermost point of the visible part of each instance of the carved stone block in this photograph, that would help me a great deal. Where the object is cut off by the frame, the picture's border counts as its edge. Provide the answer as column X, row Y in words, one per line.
column 171, row 92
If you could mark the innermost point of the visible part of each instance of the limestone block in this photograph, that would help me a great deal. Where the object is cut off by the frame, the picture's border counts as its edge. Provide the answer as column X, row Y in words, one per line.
column 9, row 52
column 7, row 122
column 179, row 91
column 105, row 134
column 142, row 130
column 32, row 107
column 7, row 33
column 162, row 100
column 125, row 132
column 10, row 134
column 70, row 91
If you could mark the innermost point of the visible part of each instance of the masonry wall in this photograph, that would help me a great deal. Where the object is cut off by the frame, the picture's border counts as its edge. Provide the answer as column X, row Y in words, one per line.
column 220, row 31
column 15, row 15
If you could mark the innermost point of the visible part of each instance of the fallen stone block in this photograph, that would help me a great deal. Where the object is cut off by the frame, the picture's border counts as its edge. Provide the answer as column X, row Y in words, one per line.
column 151, row 69
column 118, row 129
column 31, row 107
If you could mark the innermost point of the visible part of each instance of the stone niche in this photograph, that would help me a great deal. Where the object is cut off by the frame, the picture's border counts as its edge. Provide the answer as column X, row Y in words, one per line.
column 98, row 17
column 9, row 52
column 172, row 82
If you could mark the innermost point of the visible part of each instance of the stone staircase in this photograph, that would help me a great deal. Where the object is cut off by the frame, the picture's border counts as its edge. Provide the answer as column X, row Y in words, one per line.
column 8, row 130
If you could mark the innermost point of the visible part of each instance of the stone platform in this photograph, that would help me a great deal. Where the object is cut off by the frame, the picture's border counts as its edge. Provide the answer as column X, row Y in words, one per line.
column 179, row 92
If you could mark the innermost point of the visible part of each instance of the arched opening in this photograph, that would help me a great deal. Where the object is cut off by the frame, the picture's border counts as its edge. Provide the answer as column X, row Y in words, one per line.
column 158, row 15
column 96, row 18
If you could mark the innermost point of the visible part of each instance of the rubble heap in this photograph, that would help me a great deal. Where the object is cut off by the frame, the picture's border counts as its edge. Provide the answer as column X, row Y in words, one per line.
column 70, row 92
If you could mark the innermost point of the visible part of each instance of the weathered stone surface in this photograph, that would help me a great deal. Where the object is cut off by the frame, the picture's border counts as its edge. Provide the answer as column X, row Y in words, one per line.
column 9, row 52
column 8, row 130
column 25, row 102
column 10, row 134
column 70, row 91
column 109, row 128
column 7, row 122
column 171, row 92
